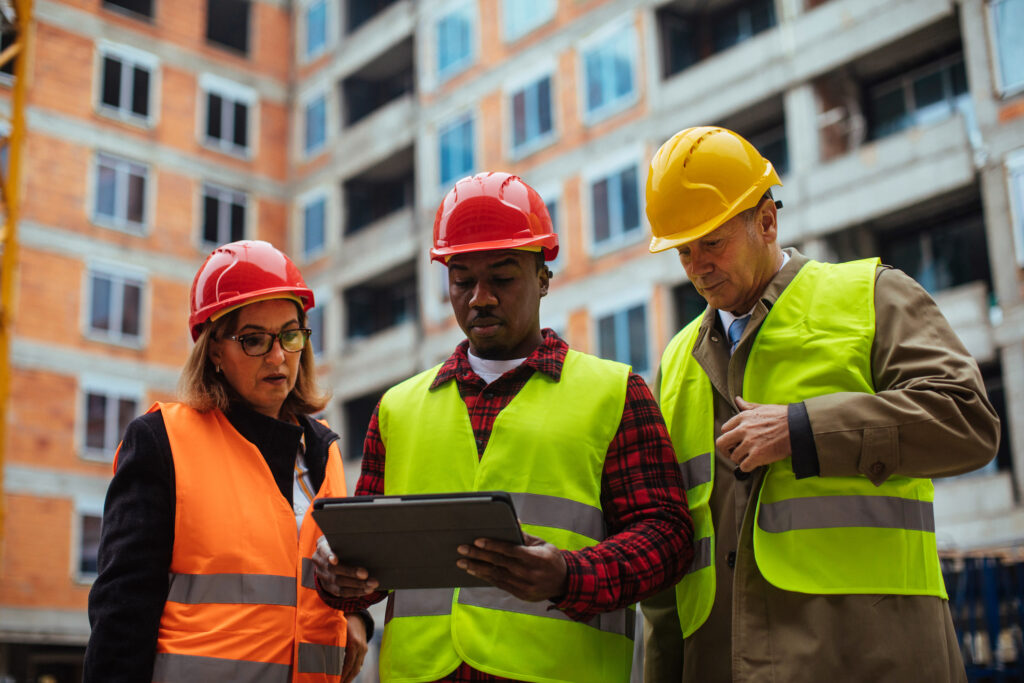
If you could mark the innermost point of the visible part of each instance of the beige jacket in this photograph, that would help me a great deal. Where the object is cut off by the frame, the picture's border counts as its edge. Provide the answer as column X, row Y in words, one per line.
column 930, row 418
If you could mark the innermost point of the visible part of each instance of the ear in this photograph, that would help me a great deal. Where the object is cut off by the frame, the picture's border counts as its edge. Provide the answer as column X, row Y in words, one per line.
column 544, row 277
column 216, row 352
column 766, row 220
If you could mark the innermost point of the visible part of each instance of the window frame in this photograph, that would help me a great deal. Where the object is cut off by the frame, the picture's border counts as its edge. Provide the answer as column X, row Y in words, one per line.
column 120, row 276
column 115, row 388
column 236, row 93
column 1015, row 188
column 598, row 41
column 305, row 201
column 83, row 510
column 306, row 103
column 620, row 304
column 134, row 58
column 468, row 10
column 1003, row 90
column 545, row 70
column 302, row 40
column 212, row 188
column 527, row 27
column 456, row 121
column 120, row 220
column 603, row 170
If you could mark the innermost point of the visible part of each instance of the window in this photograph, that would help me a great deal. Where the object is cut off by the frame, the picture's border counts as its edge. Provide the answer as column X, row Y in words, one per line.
column 688, row 36
column 1008, row 24
column 608, row 73
column 519, row 17
column 6, row 40
column 456, row 150
column 616, row 206
column 223, row 215
column 622, row 336
column 454, row 41
column 115, row 307
column 531, row 115
column 316, row 124
column 553, row 202
column 313, row 220
column 316, row 28
column 315, row 322
column 120, row 193
column 919, row 97
column 227, row 114
column 89, row 527
column 125, row 77
column 227, row 23
column 141, row 7
column 1015, row 166
column 387, row 301
column 108, row 406
column 737, row 24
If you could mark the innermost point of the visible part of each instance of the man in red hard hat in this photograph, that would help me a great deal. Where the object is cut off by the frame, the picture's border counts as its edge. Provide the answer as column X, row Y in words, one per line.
column 577, row 440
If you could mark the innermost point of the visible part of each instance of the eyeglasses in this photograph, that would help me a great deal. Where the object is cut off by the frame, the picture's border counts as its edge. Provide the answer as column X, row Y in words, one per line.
column 259, row 343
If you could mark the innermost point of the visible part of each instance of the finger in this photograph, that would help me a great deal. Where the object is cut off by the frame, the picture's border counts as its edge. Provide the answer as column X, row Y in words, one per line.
column 348, row 670
column 728, row 442
column 323, row 547
column 744, row 404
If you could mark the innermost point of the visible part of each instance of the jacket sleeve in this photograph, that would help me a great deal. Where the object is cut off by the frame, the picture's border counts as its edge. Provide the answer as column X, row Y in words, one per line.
column 930, row 416
column 136, row 542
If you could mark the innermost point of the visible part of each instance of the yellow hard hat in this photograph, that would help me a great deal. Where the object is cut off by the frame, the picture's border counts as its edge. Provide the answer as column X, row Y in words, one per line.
column 698, row 180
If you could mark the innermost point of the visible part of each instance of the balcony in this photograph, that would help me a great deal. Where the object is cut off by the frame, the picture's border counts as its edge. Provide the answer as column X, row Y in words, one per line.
column 376, row 137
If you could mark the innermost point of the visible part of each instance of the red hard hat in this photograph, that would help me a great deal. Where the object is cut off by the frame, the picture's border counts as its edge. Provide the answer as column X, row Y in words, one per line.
column 240, row 272
column 492, row 211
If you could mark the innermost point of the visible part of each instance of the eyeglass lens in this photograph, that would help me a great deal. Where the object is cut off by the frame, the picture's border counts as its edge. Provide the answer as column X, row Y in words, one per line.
column 259, row 343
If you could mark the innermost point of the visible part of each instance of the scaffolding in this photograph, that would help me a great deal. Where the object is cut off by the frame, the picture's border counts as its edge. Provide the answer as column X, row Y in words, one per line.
column 17, row 30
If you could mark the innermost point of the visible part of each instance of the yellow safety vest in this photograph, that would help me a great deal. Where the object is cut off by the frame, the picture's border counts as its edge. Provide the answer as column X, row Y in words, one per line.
column 547, row 448
column 819, row 535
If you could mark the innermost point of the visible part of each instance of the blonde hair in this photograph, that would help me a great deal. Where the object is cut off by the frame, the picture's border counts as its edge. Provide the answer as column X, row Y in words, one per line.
column 203, row 388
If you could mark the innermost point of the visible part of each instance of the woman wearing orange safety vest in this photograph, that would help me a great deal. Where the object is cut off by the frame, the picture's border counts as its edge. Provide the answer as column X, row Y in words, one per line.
column 204, row 570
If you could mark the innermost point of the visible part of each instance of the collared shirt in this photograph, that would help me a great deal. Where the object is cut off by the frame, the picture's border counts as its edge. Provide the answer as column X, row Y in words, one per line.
column 642, row 492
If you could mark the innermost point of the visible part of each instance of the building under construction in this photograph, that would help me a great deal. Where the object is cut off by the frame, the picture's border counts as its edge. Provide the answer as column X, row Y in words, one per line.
column 156, row 129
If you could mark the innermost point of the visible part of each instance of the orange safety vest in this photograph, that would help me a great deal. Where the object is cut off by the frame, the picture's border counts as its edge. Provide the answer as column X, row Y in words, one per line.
column 241, row 605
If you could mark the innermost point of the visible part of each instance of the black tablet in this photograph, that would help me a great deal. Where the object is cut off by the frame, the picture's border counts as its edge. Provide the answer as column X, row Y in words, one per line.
column 410, row 541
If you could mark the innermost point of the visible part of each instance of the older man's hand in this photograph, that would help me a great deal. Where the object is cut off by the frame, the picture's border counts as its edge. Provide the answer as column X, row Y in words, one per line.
column 758, row 435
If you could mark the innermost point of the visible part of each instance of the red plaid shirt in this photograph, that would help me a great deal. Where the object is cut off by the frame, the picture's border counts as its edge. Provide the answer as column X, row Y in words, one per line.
column 650, row 533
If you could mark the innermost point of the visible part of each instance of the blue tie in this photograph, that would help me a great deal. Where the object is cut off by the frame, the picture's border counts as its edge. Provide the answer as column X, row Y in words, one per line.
column 736, row 331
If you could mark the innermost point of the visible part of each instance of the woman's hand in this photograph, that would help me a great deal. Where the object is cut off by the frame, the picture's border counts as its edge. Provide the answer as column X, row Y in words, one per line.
column 338, row 579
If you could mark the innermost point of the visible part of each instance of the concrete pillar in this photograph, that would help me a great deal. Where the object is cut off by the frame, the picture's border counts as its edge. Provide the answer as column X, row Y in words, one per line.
column 801, row 111
column 1012, row 357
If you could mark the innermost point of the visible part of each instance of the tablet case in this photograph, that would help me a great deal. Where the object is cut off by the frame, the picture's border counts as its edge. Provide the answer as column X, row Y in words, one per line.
column 410, row 541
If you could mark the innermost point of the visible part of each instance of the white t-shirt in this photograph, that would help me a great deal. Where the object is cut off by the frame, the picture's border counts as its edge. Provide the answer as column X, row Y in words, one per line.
column 490, row 370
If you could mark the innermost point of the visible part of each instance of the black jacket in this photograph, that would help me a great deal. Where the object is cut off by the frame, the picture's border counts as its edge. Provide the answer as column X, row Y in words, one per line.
column 137, row 537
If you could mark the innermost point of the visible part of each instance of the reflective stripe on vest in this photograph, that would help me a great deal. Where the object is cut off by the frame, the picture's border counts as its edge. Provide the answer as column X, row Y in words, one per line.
column 687, row 402
column 248, row 609
column 547, row 447
column 834, row 535
column 439, row 601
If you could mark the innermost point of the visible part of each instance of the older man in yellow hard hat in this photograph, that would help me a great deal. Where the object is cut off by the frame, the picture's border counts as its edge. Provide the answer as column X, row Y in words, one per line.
column 810, row 406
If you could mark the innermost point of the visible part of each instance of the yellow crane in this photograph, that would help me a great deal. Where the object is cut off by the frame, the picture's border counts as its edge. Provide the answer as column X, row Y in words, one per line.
column 15, row 21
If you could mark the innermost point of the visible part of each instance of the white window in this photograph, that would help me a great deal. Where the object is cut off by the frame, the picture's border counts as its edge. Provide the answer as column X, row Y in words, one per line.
column 315, row 114
column 114, row 305
column 90, row 525
column 126, row 82
column 531, row 116
column 1008, row 26
column 456, row 143
column 108, row 405
column 1015, row 168
column 120, row 199
column 608, row 64
column 223, row 214
column 615, row 205
column 314, row 220
column 455, row 41
column 315, row 322
column 519, row 17
column 622, row 336
column 228, row 108
column 315, row 19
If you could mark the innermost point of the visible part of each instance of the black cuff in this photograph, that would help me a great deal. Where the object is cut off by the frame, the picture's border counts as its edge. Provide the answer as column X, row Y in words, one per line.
column 801, row 442
column 367, row 621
